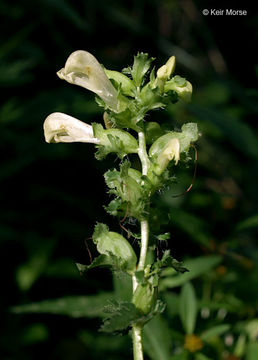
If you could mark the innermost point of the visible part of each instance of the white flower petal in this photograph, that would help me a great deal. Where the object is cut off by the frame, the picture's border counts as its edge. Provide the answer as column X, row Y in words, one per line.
column 83, row 69
column 59, row 127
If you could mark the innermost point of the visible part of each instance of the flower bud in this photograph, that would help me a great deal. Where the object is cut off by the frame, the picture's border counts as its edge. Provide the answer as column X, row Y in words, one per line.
column 59, row 127
column 83, row 69
column 171, row 64
column 164, row 73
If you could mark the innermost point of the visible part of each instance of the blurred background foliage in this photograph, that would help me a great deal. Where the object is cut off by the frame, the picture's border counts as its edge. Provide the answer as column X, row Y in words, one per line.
column 51, row 195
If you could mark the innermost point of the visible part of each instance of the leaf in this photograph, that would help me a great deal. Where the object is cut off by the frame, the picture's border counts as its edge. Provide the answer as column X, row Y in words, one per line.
column 168, row 261
column 252, row 351
column 115, row 246
column 188, row 308
column 140, row 67
column 73, row 306
column 192, row 225
column 197, row 267
column 127, row 186
column 127, row 86
column 181, row 356
column 163, row 237
column 200, row 356
column 102, row 260
column 250, row 222
column 214, row 331
column 120, row 317
column 123, row 288
column 114, row 141
column 172, row 303
column 236, row 131
column 156, row 339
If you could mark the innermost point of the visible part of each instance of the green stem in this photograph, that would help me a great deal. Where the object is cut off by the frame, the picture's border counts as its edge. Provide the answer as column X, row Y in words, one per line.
column 143, row 153
column 136, row 329
column 137, row 343
column 144, row 244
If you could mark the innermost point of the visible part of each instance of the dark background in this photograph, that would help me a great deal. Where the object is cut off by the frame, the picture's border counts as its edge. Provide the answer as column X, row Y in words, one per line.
column 52, row 195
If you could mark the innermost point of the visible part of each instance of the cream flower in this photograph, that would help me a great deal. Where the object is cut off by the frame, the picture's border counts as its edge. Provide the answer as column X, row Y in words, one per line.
column 83, row 69
column 59, row 127
column 170, row 152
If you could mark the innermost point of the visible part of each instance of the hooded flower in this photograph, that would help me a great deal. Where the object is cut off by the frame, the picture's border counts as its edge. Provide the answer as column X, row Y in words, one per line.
column 59, row 127
column 83, row 69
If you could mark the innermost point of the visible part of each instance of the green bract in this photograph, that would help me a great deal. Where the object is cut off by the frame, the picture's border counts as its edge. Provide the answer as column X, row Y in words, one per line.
column 114, row 140
column 115, row 245
column 144, row 297
column 126, row 185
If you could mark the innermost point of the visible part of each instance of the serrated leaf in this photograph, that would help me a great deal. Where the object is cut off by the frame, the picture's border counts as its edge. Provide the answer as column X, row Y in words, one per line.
column 126, row 185
column 120, row 317
column 140, row 67
column 167, row 261
column 197, row 267
column 114, row 141
column 73, row 306
column 188, row 308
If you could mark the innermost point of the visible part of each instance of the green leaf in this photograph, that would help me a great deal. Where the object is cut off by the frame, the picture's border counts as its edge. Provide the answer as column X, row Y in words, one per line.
column 139, row 276
column 200, row 356
column 181, row 356
column 172, row 303
column 115, row 245
column 120, row 316
column 73, row 306
column 127, row 86
column 252, row 351
column 156, row 339
column 140, row 67
column 248, row 223
column 123, row 288
column 114, row 140
column 151, row 99
column 153, row 132
column 102, row 260
column 163, row 237
column 188, row 308
column 197, row 267
column 236, row 131
column 214, row 331
column 126, row 184
column 167, row 261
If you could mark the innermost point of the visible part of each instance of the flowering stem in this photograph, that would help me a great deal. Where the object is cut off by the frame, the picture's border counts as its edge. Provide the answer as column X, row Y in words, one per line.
column 137, row 342
column 143, row 153
column 136, row 329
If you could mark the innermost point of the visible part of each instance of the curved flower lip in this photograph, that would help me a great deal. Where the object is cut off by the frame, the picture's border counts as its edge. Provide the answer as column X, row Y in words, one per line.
column 59, row 127
column 83, row 69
